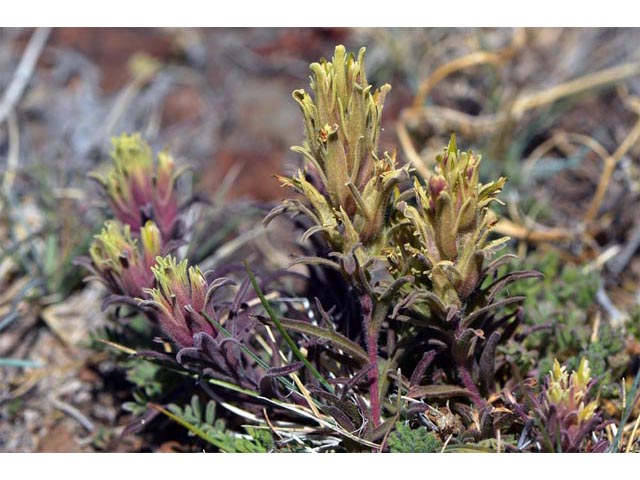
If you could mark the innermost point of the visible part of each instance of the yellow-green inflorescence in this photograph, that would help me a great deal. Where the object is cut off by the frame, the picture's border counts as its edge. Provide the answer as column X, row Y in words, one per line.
column 568, row 392
column 347, row 183
column 139, row 189
column 180, row 298
column 443, row 240
column 124, row 261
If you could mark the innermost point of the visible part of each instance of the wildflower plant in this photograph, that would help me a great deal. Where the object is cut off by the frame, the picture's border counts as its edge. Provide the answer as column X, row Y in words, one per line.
column 348, row 185
column 182, row 299
column 443, row 241
column 565, row 416
column 122, row 261
column 419, row 266
column 417, row 259
column 568, row 392
column 139, row 189
column 208, row 336
column 145, row 206
column 447, row 231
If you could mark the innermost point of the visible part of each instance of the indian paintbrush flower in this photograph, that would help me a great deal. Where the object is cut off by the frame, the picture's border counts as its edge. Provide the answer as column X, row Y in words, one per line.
column 139, row 189
column 444, row 239
column 348, row 185
column 346, row 182
column 124, row 262
column 565, row 414
column 181, row 300
column 569, row 392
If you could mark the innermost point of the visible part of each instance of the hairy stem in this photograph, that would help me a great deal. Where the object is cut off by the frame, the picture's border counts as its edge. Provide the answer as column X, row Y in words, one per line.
column 371, row 330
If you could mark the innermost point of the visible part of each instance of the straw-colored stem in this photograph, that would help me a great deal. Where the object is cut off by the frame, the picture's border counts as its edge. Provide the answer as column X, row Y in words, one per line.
column 609, row 167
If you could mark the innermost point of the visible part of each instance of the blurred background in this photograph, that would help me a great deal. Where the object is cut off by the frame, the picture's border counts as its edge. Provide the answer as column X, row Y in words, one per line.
column 555, row 110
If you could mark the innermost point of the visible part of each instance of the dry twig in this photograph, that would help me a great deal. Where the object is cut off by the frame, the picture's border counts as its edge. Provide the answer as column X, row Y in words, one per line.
column 24, row 71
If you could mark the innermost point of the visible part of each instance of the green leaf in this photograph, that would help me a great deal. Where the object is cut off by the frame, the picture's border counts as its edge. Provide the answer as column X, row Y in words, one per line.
column 452, row 147
column 196, row 430
column 404, row 439
column 438, row 391
column 210, row 413
column 19, row 362
column 283, row 332
column 631, row 403
column 335, row 338
column 196, row 407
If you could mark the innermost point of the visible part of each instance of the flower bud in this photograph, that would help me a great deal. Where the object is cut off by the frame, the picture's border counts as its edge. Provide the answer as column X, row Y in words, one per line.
column 351, row 182
column 181, row 300
column 451, row 223
column 138, row 190
column 122, row 262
